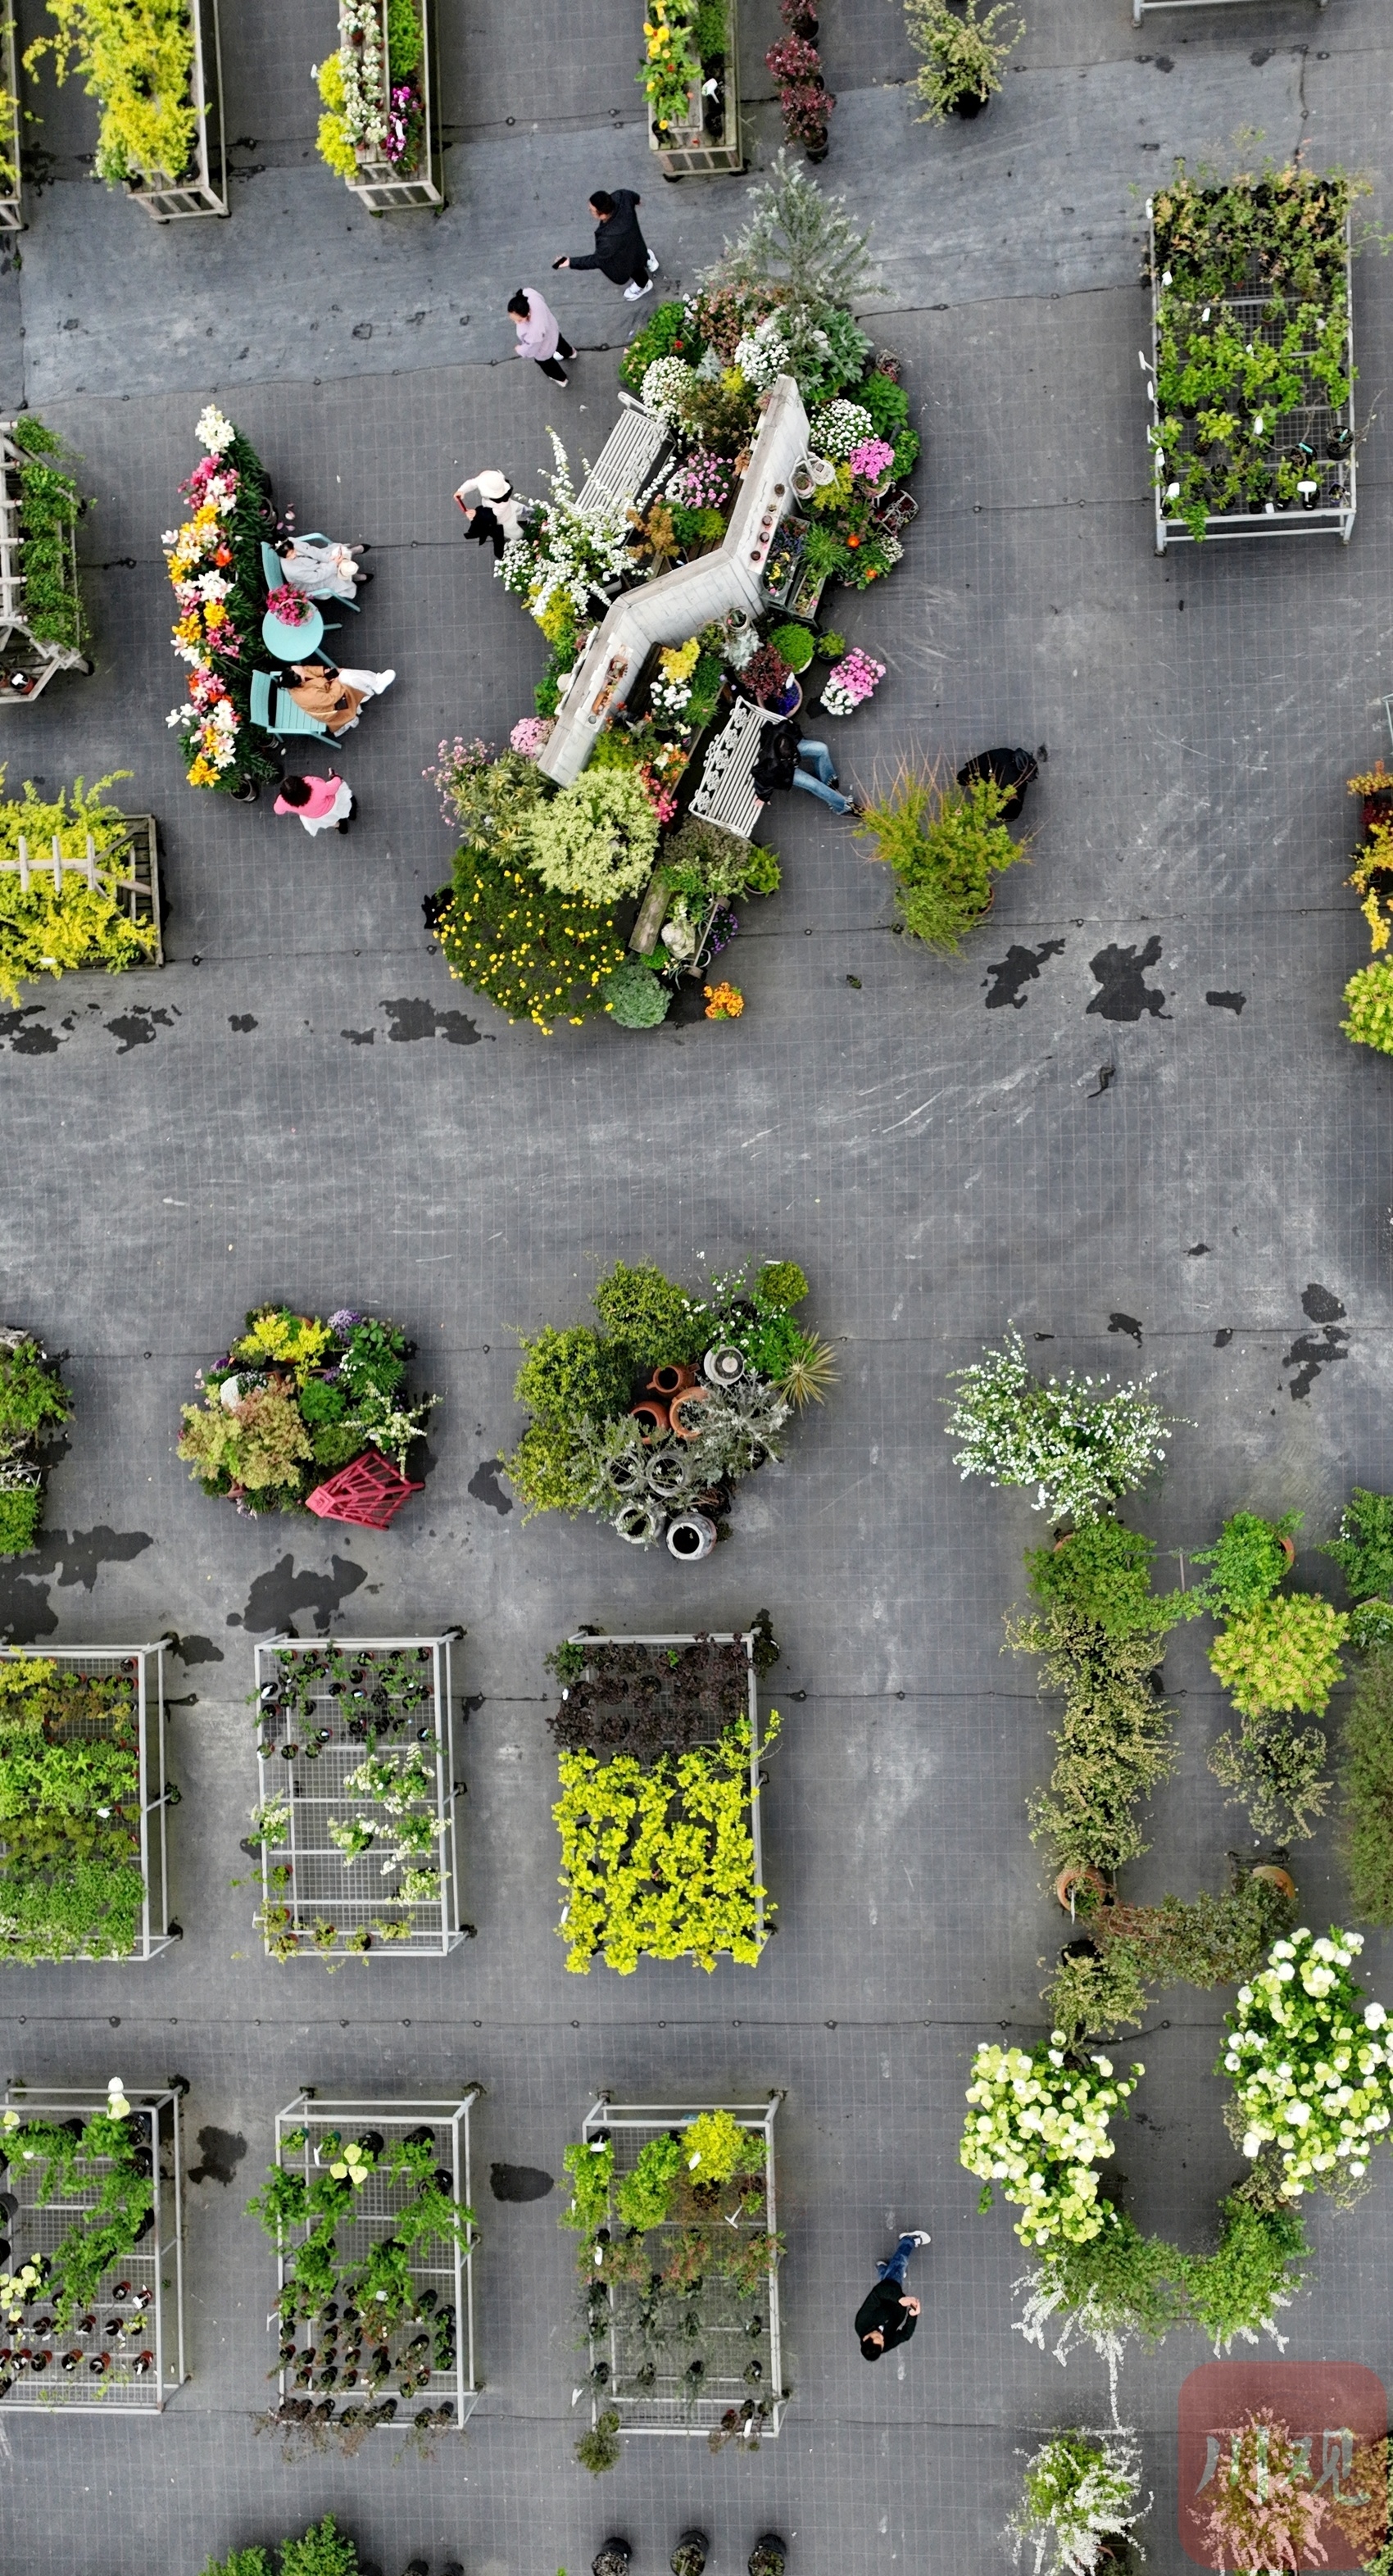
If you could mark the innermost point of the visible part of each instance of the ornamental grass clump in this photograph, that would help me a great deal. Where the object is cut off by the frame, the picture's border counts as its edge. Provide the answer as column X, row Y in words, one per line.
column 1079, row 1442
column 1039, row 2126
column 1312, row 2073
column 1081, row 2491
column 944, row 844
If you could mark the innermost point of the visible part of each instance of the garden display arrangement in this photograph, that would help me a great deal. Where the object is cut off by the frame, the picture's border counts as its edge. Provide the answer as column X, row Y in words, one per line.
column 1252, row 373
column 323, row 2550
column 79, row 885
column 153, row 72
column 1369, row 993
column 690, row 77
column 43, row 625
column 33, row 1404
column 660, row 1749
column 296, row 1404
column 678, row 2270
column 357, row 1831
column 82, row 1798
column 1310, row 2071
column 651, row 1422
column 214, row 563
column 367, row 2205
column 91, row 2288
column 375, row 131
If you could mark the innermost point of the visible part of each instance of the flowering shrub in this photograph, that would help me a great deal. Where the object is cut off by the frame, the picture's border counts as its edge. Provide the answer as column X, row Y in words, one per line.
column 671, row 689
column 850, row 682
column 1077, row 1444
column 214, row 564
column 838, row 427
column 723, row 1001
column 1038, row 2127
column 538, row 955
column 1080, row 2490
column 561, row 559
column 460, row 766
column 530, row 734
column 871, row 459
column 664, row 385
column 1265, row 2512
column 290, row 605
column 1312, row 2075
column 701, row 482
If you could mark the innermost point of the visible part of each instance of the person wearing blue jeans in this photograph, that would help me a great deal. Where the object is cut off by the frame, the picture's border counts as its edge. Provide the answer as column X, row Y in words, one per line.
column 890, row 2314
column 816, row 773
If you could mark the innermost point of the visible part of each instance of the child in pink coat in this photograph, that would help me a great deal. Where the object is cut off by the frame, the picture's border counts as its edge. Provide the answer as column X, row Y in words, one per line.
column 319, row 802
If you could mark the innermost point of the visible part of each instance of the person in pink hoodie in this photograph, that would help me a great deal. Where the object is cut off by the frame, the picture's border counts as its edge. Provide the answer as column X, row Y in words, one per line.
column 319, row 802
column 539, row 333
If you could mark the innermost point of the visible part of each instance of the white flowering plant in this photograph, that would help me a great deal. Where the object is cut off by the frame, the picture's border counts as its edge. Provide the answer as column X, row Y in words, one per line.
column 563, row 556
column 664, row 385
column 838, row 427
column 1038, row 2126
column 1080, row 2490
column 1312, row 2070
column 1079, row 1441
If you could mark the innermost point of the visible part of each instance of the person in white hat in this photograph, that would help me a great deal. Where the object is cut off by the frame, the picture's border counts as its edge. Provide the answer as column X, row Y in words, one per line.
column 496, row 513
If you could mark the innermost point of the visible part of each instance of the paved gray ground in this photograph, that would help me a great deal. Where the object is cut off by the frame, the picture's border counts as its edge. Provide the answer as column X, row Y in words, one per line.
column 935, row 1166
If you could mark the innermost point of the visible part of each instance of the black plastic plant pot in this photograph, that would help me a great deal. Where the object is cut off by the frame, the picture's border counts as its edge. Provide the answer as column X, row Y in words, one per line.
column 969, row 102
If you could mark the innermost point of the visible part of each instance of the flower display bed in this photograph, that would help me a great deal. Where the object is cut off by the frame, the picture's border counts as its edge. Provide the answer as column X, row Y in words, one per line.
column 368, row 2205
column 660, row 1751
column 92, row 2289
column 79, row 888
column 84, row 1795
column 1252, row 373
column 691, row 43
column 200, row 187
column 43, row 626
column 650, row 1423
column 379, row 129
column 33, row 1404
column 157, row 76
column 295, row 1403
column 214, row 564
column 356, row 1824
column 679, row 2268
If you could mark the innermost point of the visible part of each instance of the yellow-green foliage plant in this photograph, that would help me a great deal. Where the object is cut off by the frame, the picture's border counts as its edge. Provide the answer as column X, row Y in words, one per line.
column 1369, row 1002
column 136, row 58
column 1283, row 1654
column 660, row 1860
column 43, row 932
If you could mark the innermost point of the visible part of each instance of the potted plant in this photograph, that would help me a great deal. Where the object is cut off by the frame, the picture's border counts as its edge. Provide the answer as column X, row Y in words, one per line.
column 805, row 101
column 296, row 1404
column 601, row 1441
column 660, row 1744
column 83, row 1799
column 355, row 1742
column 79, row 887
column 157, row 76
column 1081, row 2495
column 33, row 1403
column 91, row 2283
column 367, row 2205
column 677, row 2260
column 944, row 843
column 961, row 57
column 378, row 130
column 850, row 682
column 1080, row 1445
column 1250, row 1558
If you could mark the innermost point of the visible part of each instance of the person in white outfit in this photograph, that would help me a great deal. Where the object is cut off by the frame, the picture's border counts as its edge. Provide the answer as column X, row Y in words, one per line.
column 540, row 335
column 321, row 568
column 497, row 513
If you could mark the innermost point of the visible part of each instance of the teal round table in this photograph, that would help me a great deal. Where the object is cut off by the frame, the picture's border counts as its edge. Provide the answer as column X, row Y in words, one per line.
column 293, row 643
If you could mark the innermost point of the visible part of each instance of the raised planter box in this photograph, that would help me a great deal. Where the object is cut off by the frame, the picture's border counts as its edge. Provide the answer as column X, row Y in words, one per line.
column 645, row 2377
column 202, row 189
column 1257, row 316
column 1140, row 8
column 37, row 657
column 711, row 1726
column 311, row 1879
column 384, row 186
column 130, row 866
column 689, row 152
column 135, row 2339
column 11, row 208
column 143, row 1668
column 444, row 2277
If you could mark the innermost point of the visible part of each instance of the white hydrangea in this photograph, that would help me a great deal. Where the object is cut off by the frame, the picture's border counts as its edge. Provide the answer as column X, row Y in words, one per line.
column 664, row 385
column 213, row 430
column 763, row 354
column 838, row 427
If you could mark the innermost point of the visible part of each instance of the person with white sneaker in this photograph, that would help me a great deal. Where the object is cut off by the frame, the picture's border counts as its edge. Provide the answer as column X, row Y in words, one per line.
column 889, row 2314
column 620, row 249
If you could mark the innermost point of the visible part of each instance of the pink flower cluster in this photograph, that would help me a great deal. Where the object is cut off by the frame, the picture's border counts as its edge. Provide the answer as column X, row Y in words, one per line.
column 851, row 681
column 871, row 459
column 289, row 605
column 702, row 482
column 529, row 734
column 210, row 470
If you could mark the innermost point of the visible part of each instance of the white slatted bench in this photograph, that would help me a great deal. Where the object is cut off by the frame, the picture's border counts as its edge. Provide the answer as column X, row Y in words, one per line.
column 727, row 793
column 625, row 466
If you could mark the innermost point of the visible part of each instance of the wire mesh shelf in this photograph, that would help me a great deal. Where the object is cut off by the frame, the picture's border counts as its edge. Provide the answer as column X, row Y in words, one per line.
column 124, row 2353
column 143, row 1667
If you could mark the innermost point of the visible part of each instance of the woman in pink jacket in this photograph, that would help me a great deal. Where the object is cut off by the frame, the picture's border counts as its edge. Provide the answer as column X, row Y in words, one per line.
column 539, row 333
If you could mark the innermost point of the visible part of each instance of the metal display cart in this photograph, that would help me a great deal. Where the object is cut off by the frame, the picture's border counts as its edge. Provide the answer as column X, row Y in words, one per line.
column 450, row 2391
column 306, row 1877
column 201, row 190
column 21, row 650
column 649, row 2391
column 124, row 2354
column 1307, row 431
column 689, row 151
column 145, row 1667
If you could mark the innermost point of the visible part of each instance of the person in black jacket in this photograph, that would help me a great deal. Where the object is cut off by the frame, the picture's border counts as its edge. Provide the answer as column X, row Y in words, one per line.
column 620, row 249
column 1013, row 770
column 889, row 2315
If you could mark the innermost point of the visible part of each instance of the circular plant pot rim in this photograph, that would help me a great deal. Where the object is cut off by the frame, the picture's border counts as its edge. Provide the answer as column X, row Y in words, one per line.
column 1275, row 1877
column 1288, row 1548
column 1084, row 1875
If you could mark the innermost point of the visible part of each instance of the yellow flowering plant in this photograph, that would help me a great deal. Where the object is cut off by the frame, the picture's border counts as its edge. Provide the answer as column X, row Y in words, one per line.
column 671, row 66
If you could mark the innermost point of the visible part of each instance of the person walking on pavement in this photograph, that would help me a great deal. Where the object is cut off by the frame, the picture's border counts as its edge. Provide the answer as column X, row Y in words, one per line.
column 321, row 803
column 496, row 514
column 889, row 2315
column 540, row 335
column 620, row 249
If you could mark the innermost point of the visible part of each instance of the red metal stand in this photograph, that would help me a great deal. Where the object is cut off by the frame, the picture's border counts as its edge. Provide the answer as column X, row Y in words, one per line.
column 368, row 1491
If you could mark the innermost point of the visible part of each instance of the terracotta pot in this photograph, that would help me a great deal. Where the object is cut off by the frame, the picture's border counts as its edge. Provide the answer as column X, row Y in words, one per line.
column 1069, row 1880
column 1288, row 1548
column 684, row 1414
column 668, row 1382
column 652, row 1413
column 1275, row 1877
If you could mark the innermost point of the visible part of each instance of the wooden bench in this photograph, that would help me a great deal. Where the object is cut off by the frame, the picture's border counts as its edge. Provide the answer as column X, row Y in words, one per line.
column 727, row 793
column 626, row 466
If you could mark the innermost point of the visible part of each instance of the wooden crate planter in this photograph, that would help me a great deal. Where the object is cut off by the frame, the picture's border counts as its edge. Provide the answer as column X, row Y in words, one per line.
column 437, row 2388
column 384, row 186
column 1314, row 421
column 642, row 2363
column 123, row 2353
column 144, row 1668
column 36, row 657
column 202, row 188
column 11, row 206
column 614, row 1923
column 128, row 866
column 687, row 151
column 309, row 1879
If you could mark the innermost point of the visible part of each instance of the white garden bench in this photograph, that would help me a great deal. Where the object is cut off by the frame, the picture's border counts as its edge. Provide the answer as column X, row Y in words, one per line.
column 727, row 793
column 626, row 465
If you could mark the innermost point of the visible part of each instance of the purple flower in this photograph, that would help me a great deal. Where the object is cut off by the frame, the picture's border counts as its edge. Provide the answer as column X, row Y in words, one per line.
column 345, row 1319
